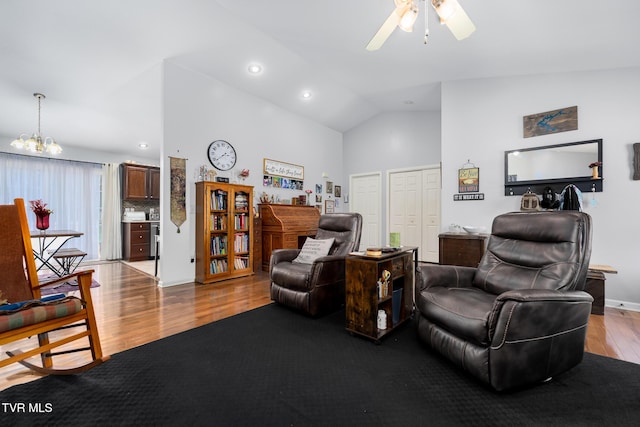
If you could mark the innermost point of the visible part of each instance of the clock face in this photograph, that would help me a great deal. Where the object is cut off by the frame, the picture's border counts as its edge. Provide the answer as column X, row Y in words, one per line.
column 222, row 155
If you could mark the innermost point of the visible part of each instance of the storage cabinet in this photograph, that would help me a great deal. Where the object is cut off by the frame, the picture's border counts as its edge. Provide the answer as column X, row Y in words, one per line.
column 140, row 182
column 363, row 299
column 462, row 249
column 257, row 243
column 136, row 241
column 224, row 231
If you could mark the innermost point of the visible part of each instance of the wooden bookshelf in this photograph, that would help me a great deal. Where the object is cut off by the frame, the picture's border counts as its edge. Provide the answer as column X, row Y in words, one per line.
column 224, row 231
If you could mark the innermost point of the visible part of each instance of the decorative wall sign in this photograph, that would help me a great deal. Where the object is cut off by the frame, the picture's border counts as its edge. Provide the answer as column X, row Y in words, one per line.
column 555, row 121
column 469, row 180
column 285, row 170
column 474, row 196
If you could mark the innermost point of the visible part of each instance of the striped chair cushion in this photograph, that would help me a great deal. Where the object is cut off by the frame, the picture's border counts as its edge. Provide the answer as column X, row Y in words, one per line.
column 39, row 313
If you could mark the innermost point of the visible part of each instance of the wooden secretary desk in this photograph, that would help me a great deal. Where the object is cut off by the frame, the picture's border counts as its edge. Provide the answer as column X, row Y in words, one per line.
column 286, row 227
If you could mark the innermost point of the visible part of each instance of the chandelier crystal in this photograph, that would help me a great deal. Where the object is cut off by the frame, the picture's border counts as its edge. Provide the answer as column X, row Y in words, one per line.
column 35, row 143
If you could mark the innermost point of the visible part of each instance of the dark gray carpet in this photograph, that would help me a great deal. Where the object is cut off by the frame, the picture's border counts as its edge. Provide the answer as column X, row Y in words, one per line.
column 272, row 366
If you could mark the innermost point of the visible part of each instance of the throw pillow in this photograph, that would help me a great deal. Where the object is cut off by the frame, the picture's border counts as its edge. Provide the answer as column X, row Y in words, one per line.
column 313, row 249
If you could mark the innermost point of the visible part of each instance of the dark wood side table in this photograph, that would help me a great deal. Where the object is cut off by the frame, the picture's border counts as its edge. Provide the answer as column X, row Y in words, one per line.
column 463, row 249
column 595, row 286
column 363, row 300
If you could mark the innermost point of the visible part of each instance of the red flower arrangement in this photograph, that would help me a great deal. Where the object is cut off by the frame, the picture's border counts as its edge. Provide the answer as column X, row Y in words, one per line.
column 244, row 173
column 39, row 207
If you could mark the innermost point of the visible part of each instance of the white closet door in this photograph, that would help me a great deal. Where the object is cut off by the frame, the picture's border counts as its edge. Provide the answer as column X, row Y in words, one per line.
column 366, row 199
column 431, row 193
column 405, row 207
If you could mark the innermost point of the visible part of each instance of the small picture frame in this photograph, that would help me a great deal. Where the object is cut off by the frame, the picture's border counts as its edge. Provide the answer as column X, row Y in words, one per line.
column 329, row 206
column 329, row 187
column 337, row 191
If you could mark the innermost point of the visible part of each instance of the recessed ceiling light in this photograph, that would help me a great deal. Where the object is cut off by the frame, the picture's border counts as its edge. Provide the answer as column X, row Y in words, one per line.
column 255, row 68
column 143, row 145
column 408, row 102
column 306, row 94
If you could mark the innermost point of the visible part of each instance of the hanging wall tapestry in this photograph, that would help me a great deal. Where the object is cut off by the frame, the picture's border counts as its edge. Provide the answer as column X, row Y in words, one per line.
column 561, row 120
column 178, row 191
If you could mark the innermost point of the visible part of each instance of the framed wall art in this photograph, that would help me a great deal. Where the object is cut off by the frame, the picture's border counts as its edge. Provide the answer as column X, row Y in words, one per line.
column 329, row 206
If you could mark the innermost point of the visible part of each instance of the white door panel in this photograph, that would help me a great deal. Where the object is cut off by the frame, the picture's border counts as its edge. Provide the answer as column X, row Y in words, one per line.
column 366, row 198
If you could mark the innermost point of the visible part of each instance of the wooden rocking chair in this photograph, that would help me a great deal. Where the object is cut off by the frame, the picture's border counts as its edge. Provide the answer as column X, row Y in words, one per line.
column 35, row 317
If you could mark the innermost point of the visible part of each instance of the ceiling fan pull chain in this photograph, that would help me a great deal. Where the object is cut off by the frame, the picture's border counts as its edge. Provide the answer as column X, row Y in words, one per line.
column 426, row 22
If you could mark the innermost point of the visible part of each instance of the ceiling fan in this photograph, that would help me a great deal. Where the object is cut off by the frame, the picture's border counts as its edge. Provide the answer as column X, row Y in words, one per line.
column 404, row 16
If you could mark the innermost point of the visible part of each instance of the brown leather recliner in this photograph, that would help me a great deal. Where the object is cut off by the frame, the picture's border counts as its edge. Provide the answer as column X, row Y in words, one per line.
column 521, row 316
column 316, row 288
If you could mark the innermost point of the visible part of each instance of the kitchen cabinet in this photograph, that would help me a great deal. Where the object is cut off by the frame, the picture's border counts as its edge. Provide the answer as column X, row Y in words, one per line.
column 136, row 241
column 140, row 182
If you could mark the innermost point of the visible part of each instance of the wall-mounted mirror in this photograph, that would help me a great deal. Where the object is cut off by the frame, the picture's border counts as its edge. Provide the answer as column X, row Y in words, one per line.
column 554, row 166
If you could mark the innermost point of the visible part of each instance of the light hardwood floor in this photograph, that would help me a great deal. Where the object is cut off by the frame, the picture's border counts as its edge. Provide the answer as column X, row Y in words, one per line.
column 131, row 310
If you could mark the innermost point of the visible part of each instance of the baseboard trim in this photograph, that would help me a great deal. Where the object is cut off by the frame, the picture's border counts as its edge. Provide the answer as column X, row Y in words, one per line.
column 624, row 305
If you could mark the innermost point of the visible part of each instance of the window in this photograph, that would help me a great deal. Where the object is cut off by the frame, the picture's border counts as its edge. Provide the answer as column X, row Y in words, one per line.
column 71, row 190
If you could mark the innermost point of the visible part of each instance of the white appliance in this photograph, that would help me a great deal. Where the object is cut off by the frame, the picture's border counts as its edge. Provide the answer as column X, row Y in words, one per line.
column 130, row 216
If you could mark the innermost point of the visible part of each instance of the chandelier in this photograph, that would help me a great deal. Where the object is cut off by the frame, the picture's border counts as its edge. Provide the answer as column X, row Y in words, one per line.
column 36, row 144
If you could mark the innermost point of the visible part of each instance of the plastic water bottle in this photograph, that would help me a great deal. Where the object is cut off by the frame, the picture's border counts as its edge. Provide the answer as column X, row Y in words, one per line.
column 382, row 319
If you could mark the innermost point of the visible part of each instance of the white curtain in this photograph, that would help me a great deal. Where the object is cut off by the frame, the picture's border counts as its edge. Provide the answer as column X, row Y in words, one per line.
column 70, row 189
column 111, row 247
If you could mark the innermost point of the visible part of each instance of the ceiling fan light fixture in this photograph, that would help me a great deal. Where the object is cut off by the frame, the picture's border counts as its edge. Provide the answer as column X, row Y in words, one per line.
column 408, row 18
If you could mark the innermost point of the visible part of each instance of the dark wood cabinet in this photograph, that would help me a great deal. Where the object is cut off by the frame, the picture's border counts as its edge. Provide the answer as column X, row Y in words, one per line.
column 257, row 244
column 140, row 182
column 462, row 249
column 363, row 299
column 136, row 241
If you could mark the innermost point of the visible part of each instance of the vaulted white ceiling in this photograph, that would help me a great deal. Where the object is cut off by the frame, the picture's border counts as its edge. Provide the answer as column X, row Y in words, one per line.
column 98, row 62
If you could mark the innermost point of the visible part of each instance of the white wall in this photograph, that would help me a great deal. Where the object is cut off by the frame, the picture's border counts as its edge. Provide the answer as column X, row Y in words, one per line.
column 483, row 118
column 199, row 110
column 389, row 141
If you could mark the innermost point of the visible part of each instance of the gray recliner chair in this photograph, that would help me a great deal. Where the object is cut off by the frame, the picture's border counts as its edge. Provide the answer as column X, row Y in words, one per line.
column 521, row 316
column 316, row 288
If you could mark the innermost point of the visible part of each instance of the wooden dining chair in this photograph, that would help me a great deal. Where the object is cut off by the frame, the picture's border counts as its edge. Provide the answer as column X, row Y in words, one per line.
column 27, row 315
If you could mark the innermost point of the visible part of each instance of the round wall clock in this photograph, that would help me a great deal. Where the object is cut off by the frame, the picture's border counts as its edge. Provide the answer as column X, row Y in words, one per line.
column 222, row 155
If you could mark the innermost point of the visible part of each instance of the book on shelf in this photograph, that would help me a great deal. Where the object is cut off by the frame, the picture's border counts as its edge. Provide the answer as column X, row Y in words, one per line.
column 218, row 222
column 241, row 201
column 240, row 262
column 241, row 242
column 218, row 245
column 219, row 200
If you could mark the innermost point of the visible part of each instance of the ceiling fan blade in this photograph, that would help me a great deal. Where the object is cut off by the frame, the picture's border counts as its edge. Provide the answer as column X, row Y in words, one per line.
column 453, row 16
column 460, row 25
column 385, row 31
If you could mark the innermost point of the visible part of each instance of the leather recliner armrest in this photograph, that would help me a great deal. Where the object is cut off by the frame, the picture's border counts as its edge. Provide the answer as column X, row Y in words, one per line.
column 328, row 270
column 282, row 255
column 444, row 275
column 536, row 314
